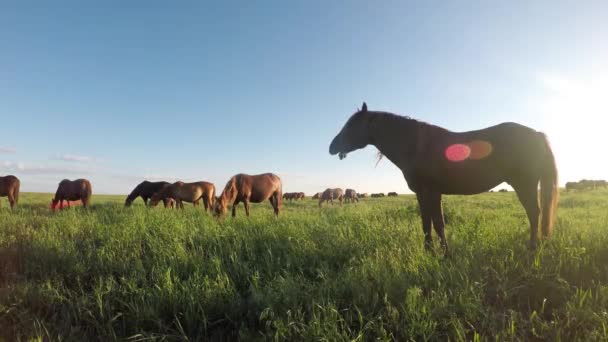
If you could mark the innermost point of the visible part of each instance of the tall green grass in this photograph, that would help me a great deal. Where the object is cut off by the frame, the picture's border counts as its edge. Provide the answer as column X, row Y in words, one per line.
column 355, row 272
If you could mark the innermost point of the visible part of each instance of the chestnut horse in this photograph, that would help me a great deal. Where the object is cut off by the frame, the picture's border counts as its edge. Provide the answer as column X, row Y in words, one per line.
column 9, row 186
column 145, row 190
column 350, row 195
column 185, row 192
column 79, row 189
column 436, row 161
column 250, row 189
column 329, row 195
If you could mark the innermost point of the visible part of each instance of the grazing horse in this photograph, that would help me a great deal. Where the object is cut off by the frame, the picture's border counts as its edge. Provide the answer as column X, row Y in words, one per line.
column 572, row 186
column 9, row 187
column 79, row 189
column 436, row 161
column 364, row 195
column 329, row 195
column 145, row 190
column 250, row 189
column 316, row 196
column 182, row 192
column 350, row 195
column 300, row 196
column 392, row 194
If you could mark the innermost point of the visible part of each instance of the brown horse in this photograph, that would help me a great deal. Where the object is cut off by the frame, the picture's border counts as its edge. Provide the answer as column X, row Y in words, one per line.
column 186, row 192
column 250, row 189
column 145, row 190
column 300, row 196
column 316, row 196
column 79, row 189
column 364, row 195
column 329, row 195
column 9, row 186
column 392, row 194
column 350, row 195
column 435, row 161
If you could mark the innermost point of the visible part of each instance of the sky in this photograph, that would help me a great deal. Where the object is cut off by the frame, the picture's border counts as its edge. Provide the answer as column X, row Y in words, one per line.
column 118, row 92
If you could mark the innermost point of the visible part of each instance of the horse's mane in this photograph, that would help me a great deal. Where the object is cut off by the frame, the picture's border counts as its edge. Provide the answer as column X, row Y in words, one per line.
column 399, row 119
column 229, row 189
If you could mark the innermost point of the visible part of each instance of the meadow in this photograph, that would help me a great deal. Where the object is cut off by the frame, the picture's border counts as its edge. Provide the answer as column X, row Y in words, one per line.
column 356, row 272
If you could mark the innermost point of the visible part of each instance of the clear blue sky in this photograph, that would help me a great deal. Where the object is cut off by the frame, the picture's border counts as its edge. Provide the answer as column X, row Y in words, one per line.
column 121, row 91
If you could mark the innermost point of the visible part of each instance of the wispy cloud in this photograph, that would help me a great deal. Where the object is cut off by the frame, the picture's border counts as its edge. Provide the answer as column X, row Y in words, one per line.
column 77, row 158
column 38, row 169
column 7, row 150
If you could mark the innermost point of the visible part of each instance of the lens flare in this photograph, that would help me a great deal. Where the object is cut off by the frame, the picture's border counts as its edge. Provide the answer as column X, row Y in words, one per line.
column 457, row 152
column 474, row 150
column 480, row 149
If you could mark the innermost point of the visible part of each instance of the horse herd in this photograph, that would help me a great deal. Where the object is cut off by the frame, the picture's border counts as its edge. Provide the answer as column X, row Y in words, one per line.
column 240, row 188
column 586, row 184
column 434, row 161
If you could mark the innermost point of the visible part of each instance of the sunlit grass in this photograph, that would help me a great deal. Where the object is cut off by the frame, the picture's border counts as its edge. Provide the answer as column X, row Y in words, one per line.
column 355, row 272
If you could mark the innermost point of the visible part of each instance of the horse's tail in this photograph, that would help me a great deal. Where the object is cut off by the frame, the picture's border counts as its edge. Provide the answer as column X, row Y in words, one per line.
column 549, row 189
column 16, row 192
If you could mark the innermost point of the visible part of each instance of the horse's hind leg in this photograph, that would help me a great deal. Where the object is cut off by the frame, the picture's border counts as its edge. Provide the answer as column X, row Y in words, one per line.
column 528, row 196
column 236, row 202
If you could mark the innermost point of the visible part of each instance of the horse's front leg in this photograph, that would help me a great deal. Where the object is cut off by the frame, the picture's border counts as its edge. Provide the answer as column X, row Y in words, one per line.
column 425, row 214
column 246, row 204
column 234, row 205
column 438, row 220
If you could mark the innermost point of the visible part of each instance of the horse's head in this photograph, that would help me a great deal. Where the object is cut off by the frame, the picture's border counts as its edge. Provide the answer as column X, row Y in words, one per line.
column 153, row 202
column 221, row 206
column 353, row 136
column 54, row 203
column 128, row 202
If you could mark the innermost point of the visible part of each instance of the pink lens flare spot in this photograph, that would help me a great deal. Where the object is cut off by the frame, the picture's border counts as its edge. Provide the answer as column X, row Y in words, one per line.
column 457, row 152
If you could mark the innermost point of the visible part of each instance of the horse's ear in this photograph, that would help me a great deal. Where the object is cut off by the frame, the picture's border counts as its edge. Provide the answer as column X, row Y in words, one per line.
column 364, row 107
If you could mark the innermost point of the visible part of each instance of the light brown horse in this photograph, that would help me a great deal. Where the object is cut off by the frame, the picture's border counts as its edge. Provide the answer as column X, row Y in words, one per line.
column 186, row 192
column 436, row 161
column 250, row 189
column 329, row 195
column 350, row 195
column 79, row 189
column 9, row 187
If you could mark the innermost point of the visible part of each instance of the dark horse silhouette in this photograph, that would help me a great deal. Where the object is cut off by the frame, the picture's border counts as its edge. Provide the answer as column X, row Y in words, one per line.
column 435, row 161
column 79, row 189
column 145, row 190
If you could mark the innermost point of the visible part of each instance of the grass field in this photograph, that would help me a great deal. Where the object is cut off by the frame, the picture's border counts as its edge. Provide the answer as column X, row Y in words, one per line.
column 356, row 272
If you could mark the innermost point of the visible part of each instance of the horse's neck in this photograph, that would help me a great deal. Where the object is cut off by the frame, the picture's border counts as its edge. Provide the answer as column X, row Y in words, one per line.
column 395, row 137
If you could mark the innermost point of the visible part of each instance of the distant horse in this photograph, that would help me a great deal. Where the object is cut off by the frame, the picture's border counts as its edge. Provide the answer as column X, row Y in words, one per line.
column 9, row 186
column 377, row 195
column 79, row 189
column 300, row 196
column 250, row 189
column 435, row 161
column 316, row 196
column 364, row 195
column 392, row 194
column 573, row 186
column 329, row 195
column 186, row 192
column 350, row 195
column 145, row 190
column 287, row 195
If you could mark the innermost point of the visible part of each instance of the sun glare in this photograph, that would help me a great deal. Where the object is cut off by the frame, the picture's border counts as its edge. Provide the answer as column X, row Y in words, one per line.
column 575, row 119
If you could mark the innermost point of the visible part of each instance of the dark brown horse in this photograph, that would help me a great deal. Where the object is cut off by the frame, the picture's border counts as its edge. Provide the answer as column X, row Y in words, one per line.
column 145, row 190
column 300, row 196
column 250, row 189
column 329, row 195
column 435, row 161
column 364, row 195
column 75, row 190
column 392, row 194
column 9, row 187
column 182, row 192
column 317, row 195
column 350, row 195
